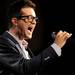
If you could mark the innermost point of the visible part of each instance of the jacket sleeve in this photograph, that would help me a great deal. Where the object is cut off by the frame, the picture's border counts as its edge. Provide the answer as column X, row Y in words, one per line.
column 13, row 60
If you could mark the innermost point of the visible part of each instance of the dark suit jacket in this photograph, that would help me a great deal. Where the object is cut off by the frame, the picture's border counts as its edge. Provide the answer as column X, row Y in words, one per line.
column 13, row 62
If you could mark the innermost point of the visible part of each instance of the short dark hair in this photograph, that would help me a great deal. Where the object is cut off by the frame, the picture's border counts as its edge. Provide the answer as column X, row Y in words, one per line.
column 15, row 7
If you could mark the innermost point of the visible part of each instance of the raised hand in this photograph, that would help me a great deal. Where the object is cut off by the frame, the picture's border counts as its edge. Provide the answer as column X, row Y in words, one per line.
column 61, row 38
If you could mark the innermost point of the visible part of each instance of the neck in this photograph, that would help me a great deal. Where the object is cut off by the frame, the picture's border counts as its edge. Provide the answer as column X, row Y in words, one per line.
column 15, row 32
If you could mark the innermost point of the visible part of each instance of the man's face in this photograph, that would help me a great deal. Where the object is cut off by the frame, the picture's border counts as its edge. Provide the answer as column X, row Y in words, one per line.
column 27, row 23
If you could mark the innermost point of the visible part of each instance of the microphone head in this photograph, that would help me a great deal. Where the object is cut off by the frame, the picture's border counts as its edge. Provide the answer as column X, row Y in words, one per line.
column 53, row 34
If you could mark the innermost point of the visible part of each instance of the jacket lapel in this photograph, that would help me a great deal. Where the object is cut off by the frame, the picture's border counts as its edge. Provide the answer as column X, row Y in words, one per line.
column 11, row 41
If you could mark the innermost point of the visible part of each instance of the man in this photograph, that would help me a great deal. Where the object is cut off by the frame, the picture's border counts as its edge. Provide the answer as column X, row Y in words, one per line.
column 15, row 59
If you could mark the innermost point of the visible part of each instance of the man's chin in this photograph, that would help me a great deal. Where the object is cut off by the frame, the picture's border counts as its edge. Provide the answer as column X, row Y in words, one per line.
column 28, row 37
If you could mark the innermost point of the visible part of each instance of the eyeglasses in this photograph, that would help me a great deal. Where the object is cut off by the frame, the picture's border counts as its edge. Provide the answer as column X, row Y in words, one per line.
column 28, row 18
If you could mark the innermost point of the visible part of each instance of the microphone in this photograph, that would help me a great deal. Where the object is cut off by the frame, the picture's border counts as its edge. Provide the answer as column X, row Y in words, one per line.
column 53, row 34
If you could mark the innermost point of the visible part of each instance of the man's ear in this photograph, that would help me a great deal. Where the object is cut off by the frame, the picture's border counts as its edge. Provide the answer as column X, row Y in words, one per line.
column 14, row 21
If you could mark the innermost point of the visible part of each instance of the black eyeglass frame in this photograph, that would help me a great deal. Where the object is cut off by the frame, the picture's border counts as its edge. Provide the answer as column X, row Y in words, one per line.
column 28, row 17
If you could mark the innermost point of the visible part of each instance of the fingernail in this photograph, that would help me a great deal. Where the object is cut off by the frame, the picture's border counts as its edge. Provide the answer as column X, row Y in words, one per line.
column 70, row 35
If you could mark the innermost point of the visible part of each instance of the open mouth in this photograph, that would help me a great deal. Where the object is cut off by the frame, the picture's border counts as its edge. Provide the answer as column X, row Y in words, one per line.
column 30, row 29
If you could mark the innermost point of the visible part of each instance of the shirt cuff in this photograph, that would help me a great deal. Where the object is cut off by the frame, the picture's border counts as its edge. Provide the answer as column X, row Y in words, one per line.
column 56, row 48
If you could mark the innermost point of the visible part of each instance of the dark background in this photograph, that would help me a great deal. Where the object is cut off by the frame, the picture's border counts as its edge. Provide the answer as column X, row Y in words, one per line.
column 53, row 16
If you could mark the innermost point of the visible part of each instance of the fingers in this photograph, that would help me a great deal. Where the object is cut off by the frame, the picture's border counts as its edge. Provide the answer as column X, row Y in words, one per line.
column 63, row 34
column 61, row 38
column 59, row 33
column 69, row 35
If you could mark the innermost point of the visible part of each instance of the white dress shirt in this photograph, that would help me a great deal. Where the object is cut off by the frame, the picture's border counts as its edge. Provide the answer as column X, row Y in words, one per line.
column 56, row 48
